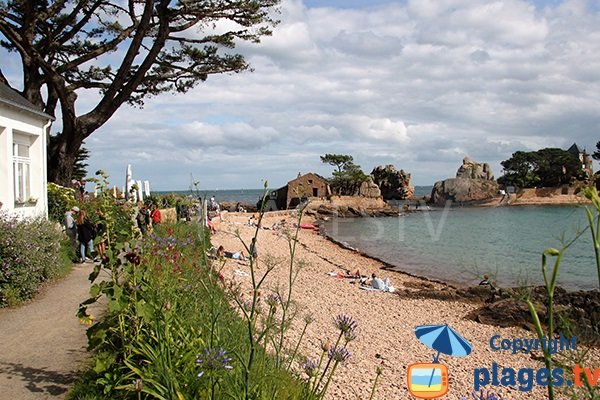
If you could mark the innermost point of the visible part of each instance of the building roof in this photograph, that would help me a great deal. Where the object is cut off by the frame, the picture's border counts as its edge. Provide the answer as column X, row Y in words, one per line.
column 12, row 98
column 309, row 173
column 574, row 149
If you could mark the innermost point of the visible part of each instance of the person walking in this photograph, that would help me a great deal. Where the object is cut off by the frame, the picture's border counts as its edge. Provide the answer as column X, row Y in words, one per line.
column 86, row 232
column 71, row 226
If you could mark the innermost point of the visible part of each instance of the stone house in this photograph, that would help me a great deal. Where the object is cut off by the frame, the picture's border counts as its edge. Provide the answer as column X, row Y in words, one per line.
column 584, row 157
column 304, row 187
column 23, row 135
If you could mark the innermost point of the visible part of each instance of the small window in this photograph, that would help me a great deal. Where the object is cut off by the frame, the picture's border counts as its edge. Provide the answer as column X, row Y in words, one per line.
column 310, row 181
column 21, row 168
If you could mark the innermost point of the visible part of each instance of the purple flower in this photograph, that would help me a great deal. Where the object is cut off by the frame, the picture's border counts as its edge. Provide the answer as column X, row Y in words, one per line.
column 350, row 335
column 273, row 299
column 345, row 323
column 338, row 354
column 213, row 360
column 310, row 368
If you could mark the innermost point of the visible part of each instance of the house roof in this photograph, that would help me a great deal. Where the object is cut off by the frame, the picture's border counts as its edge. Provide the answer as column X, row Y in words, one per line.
column 574, row 149
column 12, row 98
column 309, row 173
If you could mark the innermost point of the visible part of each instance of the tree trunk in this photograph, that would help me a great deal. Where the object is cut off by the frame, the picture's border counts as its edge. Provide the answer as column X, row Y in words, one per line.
column 62, row 152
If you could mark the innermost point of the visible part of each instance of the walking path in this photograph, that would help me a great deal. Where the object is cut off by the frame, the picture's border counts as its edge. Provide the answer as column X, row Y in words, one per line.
column 42, row 344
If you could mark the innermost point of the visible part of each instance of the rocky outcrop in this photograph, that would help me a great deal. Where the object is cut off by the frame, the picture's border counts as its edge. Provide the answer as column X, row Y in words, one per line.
column 460, row 190
column 473, row 170
column 578, row 312
column 350, row 206
column 394, row 184
column 474, row 182
column 369, row 189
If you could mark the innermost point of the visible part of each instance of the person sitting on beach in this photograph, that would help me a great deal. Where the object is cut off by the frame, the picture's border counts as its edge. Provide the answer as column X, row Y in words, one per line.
column 352, row 274
column 211, row 226
column 380, row 284
column 491, row 285
column 237, row 255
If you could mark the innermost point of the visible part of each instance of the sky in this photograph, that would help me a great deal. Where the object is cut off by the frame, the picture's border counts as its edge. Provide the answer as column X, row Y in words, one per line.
column 418, row 84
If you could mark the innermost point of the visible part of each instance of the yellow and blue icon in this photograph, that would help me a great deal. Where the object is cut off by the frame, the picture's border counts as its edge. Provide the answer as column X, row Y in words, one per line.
column 430, row 380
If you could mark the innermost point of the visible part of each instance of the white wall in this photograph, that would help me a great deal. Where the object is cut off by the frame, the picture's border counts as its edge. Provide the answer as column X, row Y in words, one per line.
column 15, row 122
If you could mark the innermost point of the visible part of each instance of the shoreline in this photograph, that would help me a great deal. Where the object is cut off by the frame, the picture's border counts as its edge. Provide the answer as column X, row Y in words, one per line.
column 388, row 266
column 386, row 321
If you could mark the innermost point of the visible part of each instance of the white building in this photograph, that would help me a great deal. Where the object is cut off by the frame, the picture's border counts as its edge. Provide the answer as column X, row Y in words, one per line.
column 23, row 136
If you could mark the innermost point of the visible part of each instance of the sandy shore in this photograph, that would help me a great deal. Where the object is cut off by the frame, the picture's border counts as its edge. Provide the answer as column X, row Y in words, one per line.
column 386, row 321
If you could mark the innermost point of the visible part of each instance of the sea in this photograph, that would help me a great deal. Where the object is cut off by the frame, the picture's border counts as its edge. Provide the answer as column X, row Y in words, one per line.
column 460, row 245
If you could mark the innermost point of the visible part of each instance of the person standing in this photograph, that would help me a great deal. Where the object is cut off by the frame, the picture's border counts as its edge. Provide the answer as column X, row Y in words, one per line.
column 156, row 216
column 71, row 226
column 253, row 249
column 86, row 232
column 143, row 219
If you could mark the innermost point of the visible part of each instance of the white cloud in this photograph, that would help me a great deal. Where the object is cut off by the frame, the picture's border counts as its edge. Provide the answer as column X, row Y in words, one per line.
column 419, row 85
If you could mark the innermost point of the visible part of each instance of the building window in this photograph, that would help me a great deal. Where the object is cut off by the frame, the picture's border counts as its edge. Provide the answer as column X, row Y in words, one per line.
column 21, row 169
column 310, row 181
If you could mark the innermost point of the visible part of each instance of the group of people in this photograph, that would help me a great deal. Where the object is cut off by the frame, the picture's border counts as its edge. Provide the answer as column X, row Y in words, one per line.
column 146, row 218
column 82, row 233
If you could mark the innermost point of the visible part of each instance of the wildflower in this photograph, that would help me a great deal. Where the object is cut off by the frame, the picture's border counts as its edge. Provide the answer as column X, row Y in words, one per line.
column 213, row 360
column 338, row 354
column 87, row 320
column 350, row 335
column 345, row 323
column 133, row 258
column 247, row 305
column 309, row 318
column 325, row 344
column 273, row 299
column 310, row 368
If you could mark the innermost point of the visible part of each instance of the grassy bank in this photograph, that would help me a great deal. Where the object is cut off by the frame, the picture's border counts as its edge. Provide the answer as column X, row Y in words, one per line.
column 170, row 331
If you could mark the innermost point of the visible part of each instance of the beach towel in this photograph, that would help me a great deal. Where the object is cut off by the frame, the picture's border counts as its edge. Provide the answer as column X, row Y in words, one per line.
column 380, row 285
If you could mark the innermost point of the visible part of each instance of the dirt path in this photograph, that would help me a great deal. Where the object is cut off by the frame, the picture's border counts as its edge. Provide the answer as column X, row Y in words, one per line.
column 42, row 344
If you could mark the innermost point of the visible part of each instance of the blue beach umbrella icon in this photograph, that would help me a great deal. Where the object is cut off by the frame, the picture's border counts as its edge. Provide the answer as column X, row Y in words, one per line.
column 443, row 339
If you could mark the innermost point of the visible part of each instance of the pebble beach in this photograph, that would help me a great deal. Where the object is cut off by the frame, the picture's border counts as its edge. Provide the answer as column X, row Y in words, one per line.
column 386, row 321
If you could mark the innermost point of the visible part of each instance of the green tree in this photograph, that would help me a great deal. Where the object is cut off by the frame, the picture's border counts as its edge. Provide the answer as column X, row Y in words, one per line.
column 79, row 167
column 348, row 177
column 519, row 170
column 127, row 51
column 547, row 167
column 337, row 160
column 596, row 153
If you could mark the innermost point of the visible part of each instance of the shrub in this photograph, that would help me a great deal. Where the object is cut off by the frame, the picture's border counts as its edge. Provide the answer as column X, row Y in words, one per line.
column 30, row 254
column 60, row 199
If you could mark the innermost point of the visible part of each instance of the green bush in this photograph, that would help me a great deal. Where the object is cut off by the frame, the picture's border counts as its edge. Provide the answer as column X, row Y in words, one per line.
column 60, row 199
column 30, row 254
